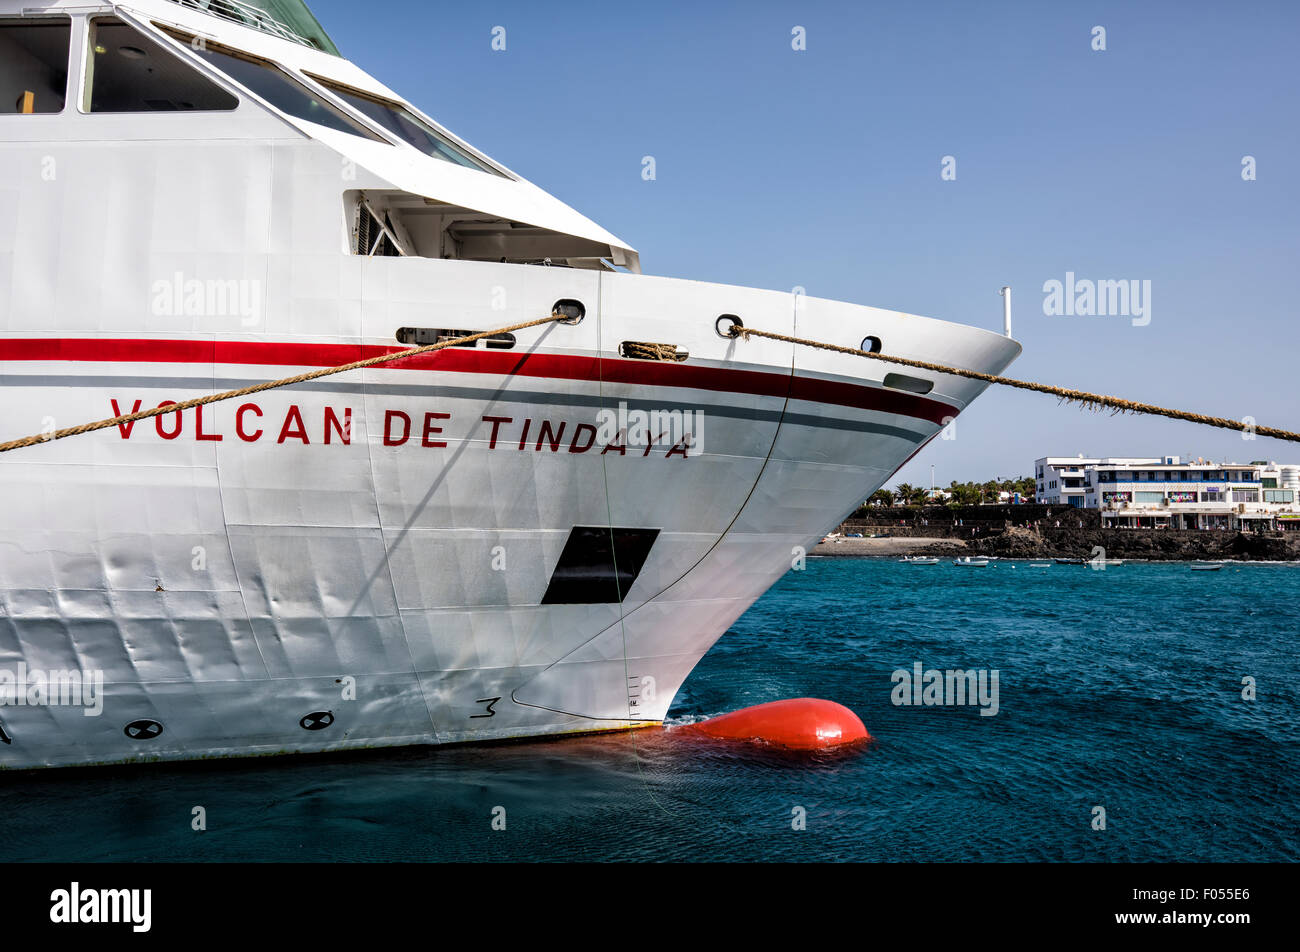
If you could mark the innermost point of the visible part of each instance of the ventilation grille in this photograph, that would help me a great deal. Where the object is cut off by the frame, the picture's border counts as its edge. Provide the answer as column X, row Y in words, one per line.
column 369, row 231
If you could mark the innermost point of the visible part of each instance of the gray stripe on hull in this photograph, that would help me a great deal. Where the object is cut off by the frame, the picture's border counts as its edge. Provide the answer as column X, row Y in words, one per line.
column 484, row 394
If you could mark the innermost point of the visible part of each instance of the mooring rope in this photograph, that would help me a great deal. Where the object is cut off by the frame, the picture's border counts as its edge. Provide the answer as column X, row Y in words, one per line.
column 270, row 385
column 1091, row 401
column 662, row 352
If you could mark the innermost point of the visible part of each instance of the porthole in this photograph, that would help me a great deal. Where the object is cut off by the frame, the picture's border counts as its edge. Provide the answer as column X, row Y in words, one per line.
column 726, row 325
column 910, row 384
column 421, row 336
column 573, row 311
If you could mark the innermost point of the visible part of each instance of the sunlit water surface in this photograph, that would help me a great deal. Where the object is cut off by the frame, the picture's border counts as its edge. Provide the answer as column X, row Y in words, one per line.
column 1119, row 688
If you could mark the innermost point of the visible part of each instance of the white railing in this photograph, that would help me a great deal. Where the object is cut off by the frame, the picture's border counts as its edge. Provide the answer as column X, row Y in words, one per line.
column 246, row 14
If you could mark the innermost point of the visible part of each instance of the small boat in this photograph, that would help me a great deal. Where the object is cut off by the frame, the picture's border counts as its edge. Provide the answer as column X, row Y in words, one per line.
column 974, row 562
column 1104, row 563
column 1069, row 561
column 919, row 560
column 1040, row 565
column 1207, row 566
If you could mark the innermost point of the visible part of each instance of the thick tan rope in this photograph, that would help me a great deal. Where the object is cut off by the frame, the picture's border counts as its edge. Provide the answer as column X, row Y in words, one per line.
column 646, row 350
column 1082, row 397
column 269, row 385
column 1093, row 401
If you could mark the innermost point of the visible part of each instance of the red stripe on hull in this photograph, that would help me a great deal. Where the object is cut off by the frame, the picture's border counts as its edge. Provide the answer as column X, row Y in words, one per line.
column 456, row 360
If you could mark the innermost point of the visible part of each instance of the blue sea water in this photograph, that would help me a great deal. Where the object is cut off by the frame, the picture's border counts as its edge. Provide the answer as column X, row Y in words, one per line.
column 1119, row 689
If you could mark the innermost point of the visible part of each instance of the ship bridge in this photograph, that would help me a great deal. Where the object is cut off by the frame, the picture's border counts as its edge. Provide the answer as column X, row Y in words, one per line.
column 411, row 188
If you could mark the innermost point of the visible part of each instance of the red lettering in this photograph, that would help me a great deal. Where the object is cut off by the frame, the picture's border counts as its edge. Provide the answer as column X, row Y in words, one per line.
column 239, row 422
column 344, row 430
column 158, row 422
column 622, row 450
column 389, row 417
column 430, row 429
column 573, row 447
column 210, row 437
column 299, row 432
column 554, row 439
column 679, row 449
column 523, row 437
column 496, row 422
column 125, row 428
column 651, row 444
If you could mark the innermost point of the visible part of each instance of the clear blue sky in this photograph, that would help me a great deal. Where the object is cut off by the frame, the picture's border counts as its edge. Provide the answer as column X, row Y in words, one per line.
column 821, row 168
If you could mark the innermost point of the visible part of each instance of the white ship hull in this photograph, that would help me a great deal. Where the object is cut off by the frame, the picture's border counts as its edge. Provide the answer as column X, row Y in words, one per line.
column 283, row 573
column 230, row 580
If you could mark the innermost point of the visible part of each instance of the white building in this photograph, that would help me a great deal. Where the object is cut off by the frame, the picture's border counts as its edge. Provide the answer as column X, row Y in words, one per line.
column 1062, row 480
column 1163, row 491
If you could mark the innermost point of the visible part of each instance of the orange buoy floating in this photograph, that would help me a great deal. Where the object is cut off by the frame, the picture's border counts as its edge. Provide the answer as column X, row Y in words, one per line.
column 803, row 723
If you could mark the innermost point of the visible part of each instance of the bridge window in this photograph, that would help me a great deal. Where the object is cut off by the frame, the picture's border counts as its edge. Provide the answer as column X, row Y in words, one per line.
column 404, row 124
column 34, row 65
column 277, row 87
column 128, row 72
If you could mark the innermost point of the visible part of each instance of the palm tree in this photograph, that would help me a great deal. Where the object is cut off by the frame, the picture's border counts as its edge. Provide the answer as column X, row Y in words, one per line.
column 903, row 492
column 881, row 497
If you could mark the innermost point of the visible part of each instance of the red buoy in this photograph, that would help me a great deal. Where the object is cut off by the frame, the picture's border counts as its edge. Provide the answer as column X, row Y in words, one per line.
column 803, row 723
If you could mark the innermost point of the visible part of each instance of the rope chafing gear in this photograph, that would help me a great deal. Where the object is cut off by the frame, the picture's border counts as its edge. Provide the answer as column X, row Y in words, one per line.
column 1090, row 401
column 271, row 385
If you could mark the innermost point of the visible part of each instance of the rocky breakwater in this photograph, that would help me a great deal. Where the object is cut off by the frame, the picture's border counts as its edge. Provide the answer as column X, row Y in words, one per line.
column 1152, row 544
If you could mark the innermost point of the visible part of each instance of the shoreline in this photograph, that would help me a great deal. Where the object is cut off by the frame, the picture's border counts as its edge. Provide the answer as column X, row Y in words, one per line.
column 897, row 546
column 901, row 545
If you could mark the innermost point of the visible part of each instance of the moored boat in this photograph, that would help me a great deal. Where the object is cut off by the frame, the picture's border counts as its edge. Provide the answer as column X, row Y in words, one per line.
column 518, row 536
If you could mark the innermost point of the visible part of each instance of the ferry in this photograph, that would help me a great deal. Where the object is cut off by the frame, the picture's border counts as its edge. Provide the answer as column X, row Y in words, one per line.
column 533, row 534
